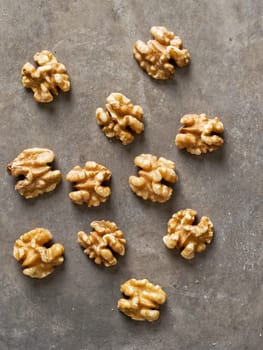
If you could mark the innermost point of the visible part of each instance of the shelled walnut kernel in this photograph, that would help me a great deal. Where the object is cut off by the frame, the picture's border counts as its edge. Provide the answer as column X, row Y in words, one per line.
column 45, row 80
column 160, row 56
column 33, row 165
column 189, row 238
column 120, row 119
column 88, row 184
column 199, row 134
column 101, row 244
column 37, row 260
column 148, row 184
column 144, row 300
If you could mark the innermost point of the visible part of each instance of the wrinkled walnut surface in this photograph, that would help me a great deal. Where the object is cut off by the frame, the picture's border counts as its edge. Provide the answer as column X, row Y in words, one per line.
column 120, row 119
column 32, row 164
column 37, row 260
column 103, row 242
column 148, row 184
column 144, row 300
column 199, row 134
column 160, row 56
column 45, row 80
column 189, row 238
column 88, row 184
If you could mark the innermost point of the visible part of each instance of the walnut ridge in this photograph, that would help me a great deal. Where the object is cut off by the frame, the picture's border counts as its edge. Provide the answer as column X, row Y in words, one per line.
column 160, row 56
column 189, row 238
column 88, row 184
column 121, row 119
column 45, row 80
column 200, row 134
column 144, row 300
column 103, row 242
column 32, row 164
column 148, row 184
column 37, row 260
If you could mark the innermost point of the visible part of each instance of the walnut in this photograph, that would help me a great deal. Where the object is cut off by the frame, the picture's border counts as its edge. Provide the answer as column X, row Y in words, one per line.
column 45, row 79
column 103, row 242
column 144, row 300
column 120, row 119
column 160, row 56
column 199, row 134
column 189, row 238
column 37, row 260
column 33, row 166
column 88, row 184
column 149, row 184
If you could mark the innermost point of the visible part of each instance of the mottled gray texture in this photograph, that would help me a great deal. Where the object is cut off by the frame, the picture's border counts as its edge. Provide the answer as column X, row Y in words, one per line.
column 214, row 301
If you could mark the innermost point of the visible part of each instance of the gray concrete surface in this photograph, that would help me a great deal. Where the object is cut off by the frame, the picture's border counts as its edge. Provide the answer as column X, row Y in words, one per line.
column 214, row 301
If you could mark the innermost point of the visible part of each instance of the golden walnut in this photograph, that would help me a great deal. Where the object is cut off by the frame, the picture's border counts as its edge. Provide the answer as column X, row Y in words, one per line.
column 88, row 184
column 189, row 238
column 103, row 242
column 37, row 260
column 149, row 184
column 144, row 300
column 160, row 56
column 200, row 134
column 45, row 80
column 120, row 119
column 32, row 165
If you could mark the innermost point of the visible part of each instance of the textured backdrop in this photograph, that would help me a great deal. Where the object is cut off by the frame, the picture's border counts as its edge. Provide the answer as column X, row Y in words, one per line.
column 214, row 301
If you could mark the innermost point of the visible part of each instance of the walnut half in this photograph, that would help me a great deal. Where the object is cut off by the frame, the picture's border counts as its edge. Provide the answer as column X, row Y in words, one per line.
column 144, row 300
column 149, row 184
column 37, row 260
column 33, row 165
column 189, row 238
column 45, row 80
column 101, row 244
column 160, row 56
column 120, row 119
column 88, row 184
column 200, row 134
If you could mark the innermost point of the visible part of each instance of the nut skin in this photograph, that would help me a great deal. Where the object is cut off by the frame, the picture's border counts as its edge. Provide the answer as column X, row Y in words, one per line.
column 144, row 300
column 88, row 184
column 148, row 184
column 120, row 119
column 199, row 134
column 45, row 80
column 185, row 236
column 160, row 56
column 32, row 164
column 101, row 244
column 37, row 260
